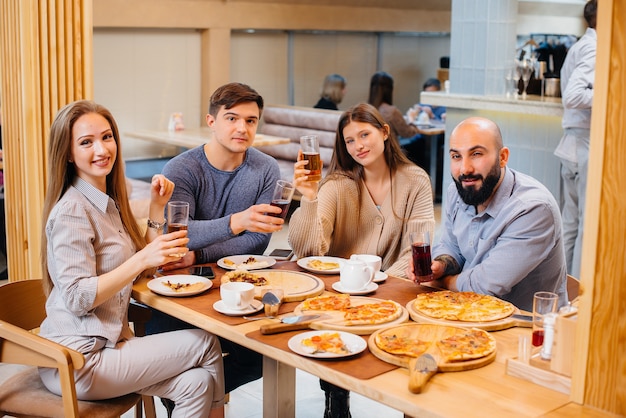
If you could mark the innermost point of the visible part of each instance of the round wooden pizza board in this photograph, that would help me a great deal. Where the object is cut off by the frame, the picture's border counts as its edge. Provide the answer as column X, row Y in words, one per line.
column 296, row 285
column 333, row 320
column 497, row 325
column 427, row 332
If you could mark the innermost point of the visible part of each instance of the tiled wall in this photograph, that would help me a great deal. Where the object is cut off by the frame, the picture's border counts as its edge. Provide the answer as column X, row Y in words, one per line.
column 482, row 45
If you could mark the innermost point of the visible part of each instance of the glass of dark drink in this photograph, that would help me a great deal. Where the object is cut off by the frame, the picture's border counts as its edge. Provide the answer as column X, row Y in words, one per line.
column 543, row 303
column 283, row 193
column 420, row 245
column 310, row 146
column 177, row 217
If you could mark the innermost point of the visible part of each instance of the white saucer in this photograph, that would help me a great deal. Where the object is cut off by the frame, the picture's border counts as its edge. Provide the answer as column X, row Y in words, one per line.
column 255, row 306
column 380, row 276
column 369, row 289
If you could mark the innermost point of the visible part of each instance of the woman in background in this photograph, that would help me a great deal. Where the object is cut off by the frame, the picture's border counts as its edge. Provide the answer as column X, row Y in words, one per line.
column 332, row 92
column 371, row 199
column 92, row 251
column 381, row 97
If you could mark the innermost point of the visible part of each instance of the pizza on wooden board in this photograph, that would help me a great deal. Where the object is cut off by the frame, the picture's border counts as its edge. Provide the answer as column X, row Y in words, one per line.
column 378, row 312
column 462, row 306
column 456, row 344
column 244, row 276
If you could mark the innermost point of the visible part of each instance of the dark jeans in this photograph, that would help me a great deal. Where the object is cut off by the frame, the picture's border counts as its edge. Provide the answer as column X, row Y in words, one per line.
column 241, row 365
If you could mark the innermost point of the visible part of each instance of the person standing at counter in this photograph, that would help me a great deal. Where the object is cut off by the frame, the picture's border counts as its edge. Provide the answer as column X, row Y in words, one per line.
column 502, row 229
column 229, row 186
column 577, row 78
column 371, row 199
column 92, row 251
column 333, row 90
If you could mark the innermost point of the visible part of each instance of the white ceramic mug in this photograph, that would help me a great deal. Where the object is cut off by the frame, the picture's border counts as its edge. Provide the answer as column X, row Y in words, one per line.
column 237, row 295
column 371, row 260
column 355, row 275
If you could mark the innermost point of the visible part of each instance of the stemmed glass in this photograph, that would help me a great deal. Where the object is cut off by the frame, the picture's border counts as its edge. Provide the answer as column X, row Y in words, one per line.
column 525, row 68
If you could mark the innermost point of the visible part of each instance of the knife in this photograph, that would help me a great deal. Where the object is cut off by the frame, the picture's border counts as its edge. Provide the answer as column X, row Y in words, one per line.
column 524, row 321
column 289, row 323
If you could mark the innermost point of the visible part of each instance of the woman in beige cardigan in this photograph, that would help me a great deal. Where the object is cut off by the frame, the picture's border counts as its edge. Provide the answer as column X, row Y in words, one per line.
column 371, row 199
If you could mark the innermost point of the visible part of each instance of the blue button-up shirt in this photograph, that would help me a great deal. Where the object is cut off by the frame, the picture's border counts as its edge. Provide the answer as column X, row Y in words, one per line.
column 513, row 248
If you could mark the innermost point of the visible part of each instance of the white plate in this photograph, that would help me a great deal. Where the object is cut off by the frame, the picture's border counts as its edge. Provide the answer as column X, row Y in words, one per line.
column 303, row 262
column 255, row 306
column 262, row 262
column 380, row 276
column 369, row 289
column 157, row 286
column 353, row 343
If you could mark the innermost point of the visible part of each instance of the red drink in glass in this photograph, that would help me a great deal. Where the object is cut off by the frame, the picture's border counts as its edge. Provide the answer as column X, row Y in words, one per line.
column 422, row 261
column 283, row 205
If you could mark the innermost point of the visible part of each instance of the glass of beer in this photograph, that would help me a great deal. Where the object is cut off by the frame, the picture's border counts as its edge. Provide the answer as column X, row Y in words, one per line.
column 177, row 217
column 283, row 193
column 420, row 244
column 310, row 146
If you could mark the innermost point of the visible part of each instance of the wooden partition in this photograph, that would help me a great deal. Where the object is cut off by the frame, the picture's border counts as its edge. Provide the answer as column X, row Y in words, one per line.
column 600, row 367
column 46, row 58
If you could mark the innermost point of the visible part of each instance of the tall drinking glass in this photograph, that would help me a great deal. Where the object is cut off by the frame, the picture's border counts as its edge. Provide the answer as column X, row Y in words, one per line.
column 311, row 149
column 543, row 303
column 420, row 245
column 177, row 217
column 283, row 193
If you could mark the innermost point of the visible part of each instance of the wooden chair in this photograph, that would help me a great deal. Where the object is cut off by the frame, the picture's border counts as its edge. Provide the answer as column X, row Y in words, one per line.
column 22, row 309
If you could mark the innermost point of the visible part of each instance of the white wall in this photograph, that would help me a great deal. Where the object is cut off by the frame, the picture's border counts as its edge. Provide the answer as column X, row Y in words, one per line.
column 143, row 76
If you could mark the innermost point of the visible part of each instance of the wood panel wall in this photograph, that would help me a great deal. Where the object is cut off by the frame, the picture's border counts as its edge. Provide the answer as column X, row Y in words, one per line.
column 45, row 51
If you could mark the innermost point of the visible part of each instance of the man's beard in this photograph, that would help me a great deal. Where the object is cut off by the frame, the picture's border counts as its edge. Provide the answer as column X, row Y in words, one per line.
column 475, row 197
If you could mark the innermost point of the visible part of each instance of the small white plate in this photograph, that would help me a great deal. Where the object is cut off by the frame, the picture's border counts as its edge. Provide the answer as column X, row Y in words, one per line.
column 157, row 284
column 380, row 276
column 353, row 343
column 239, row 262
column 303, row 262
column 368, row 289
column 255, row 306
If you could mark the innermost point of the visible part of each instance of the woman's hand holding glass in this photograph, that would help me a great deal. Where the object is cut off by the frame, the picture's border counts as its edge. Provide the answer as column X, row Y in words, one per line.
column 166, row 248
column 305, row 186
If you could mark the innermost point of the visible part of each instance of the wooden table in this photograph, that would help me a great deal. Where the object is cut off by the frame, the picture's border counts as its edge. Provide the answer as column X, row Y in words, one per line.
column 487, row 391
column 191, row 138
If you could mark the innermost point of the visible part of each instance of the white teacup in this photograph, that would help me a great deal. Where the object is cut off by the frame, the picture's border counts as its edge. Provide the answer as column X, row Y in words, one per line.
column 237, row 295
column 371, row 260
column 355, row 275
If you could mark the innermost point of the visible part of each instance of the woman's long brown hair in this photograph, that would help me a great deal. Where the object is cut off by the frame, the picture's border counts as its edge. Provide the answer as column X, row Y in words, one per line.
column 342, row 163
column 61, row 174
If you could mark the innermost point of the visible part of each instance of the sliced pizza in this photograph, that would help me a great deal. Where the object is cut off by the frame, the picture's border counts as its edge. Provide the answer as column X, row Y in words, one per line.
column 372, row 313
column 466, row 344
column 462, row 306
column 394, row 342
column 328, row 342
column 327, row 303
column 318, row 264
